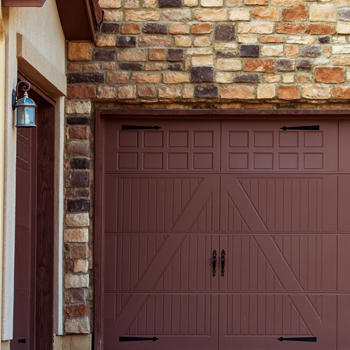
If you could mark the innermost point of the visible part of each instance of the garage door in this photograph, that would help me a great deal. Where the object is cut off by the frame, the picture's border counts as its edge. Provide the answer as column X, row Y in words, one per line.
column 224, row 234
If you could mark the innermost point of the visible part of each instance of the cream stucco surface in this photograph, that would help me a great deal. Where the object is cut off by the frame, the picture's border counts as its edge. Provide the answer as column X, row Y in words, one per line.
column 59, row 200
column 42, row 28
column 2, row 117
column 34, row 46
column 5, row 345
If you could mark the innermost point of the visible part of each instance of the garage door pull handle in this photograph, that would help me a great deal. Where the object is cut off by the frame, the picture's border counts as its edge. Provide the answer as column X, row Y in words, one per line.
column 223, row 263
column 309, row 127
column 136, row 338
column 214, row 263
column 135, row 127
column 313, row 339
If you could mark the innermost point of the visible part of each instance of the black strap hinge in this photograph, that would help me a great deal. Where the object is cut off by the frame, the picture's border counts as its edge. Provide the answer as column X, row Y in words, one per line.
column 309, row 127
column 136, row 127
column 137, row 338
column 311, row 339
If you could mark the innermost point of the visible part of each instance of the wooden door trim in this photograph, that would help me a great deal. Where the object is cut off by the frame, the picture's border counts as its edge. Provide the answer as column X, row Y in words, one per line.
column 44, row 282
column 100, row 116
column 98, row 229
column 34, row 88
column 34, row 228
column 225, row 114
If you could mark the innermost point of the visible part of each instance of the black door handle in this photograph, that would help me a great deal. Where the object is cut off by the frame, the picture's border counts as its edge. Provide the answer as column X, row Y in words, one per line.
column 223, row 262
column 214, row 263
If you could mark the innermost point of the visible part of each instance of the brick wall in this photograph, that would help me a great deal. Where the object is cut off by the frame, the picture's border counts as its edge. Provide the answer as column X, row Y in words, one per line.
column 187, row 54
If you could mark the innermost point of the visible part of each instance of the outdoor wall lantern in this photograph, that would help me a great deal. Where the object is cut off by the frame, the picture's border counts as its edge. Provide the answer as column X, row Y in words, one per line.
column 25, row 113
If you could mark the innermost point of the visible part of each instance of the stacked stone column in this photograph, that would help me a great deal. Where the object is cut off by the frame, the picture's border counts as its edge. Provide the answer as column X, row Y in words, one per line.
column 78, row 252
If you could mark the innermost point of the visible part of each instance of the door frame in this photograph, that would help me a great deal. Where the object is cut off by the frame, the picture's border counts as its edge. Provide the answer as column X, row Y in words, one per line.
column 43, row 229
column 102, row 114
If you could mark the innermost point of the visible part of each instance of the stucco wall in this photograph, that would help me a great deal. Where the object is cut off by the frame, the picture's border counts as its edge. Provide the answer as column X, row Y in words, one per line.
column 2, row 117
column 42, row 28
column 35, row 46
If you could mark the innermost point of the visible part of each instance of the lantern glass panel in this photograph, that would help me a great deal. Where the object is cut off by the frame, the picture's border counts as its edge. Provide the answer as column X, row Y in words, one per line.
column 26, row 116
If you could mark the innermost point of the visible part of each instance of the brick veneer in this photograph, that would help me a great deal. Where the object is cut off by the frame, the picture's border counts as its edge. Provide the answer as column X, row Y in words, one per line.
column 188, row 54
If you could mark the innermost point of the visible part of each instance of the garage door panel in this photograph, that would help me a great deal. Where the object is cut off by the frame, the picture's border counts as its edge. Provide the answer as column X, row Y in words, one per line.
column 281, row 204
column 177, row 320
column 247, row 269
column 234, row 195
column 170, row 314
column 343, row 322
column 319, row 260
column 188, row 266
column 343, row 263
column 344, row 145
column 261, row 146
column 285, row 262
column 158, row 204
column 136, row 254
column 235, row 221
column 205, row 220
column 269, row 198
column 246, row 315
column 245, row 324
column 175, row 147
column 343, row 203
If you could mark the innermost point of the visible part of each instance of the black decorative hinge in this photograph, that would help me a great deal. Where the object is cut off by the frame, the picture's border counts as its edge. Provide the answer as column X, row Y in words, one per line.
column 136, row 127
column 22, row 340
column 310, row 127
column 312, row 339
column 136, row 338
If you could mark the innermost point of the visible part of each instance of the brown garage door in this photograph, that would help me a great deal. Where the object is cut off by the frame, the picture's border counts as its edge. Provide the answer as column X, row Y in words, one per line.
column 272, row 204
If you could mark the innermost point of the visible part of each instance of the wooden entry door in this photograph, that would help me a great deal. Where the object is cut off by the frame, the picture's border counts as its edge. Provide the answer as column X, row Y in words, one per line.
column 25, row 240
column 33, row 297
column 272, row 200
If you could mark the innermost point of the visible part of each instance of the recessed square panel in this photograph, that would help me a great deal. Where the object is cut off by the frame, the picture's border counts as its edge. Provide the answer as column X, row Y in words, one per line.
column 178, row 139
column 177, row 161
column 153, row 139
column 288, row 139
column 203, row 161
column 263, row 139
column 127, row 160
column 313, row 160
column 238, row 138
column 288, row 161
column 203, row 138
column 128, row 139
column 238, row 160
column 152, row 161
column 313, row 138
column 263, row 161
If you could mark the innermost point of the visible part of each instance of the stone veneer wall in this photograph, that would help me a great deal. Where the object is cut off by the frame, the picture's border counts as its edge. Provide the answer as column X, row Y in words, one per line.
column 188, row 54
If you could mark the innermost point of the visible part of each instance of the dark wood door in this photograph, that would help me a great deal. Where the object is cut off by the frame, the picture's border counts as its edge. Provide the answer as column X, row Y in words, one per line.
column 274, row 201
column 25, row 240
column 33, row 298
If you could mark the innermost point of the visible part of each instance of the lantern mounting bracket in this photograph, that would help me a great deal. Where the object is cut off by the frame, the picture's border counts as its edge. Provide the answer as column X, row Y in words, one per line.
column 15, row 92
column 25, row 107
